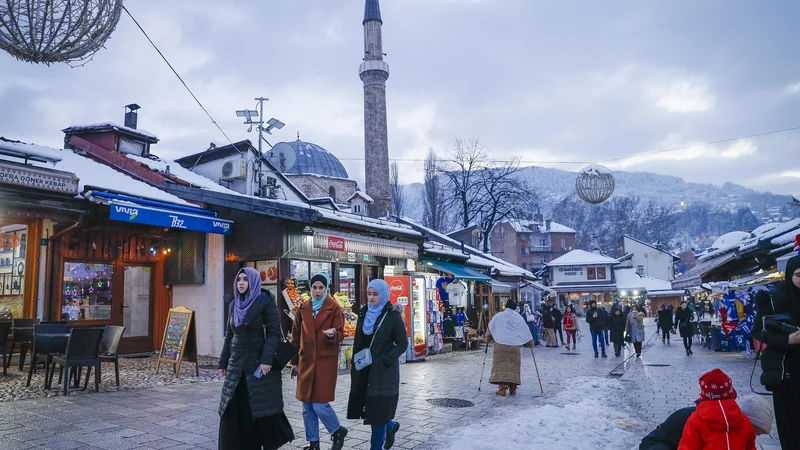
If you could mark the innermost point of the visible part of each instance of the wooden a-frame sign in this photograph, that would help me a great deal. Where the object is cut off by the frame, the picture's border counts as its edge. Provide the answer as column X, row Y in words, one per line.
column 180, row 340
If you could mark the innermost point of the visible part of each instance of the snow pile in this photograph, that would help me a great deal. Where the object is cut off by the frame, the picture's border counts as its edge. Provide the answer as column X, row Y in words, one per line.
column 590, row 414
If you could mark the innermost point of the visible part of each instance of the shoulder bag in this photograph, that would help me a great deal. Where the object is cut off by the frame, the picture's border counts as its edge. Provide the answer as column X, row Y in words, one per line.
column 363, row 358
column 285, row 350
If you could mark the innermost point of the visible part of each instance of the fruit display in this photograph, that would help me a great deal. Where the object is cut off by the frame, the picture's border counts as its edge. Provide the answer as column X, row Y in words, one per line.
column 343, row 300
column 292, row 293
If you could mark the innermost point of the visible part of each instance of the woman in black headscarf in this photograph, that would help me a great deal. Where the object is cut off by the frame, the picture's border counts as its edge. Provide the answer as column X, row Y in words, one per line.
column 780, row 362
column 251, row 407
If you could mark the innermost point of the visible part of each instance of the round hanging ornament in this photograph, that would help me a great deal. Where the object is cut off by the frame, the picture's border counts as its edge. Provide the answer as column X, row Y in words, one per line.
column 594, row 184
column 57, row 31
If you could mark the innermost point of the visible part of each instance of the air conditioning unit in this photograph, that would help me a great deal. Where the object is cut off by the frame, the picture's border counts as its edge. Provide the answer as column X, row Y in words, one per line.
column 234, row 169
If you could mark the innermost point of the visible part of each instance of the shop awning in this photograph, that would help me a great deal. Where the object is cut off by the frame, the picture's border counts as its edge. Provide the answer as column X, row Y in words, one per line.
column 458, row 271
column 500, row 288
column 150, row 212
column 355, row 243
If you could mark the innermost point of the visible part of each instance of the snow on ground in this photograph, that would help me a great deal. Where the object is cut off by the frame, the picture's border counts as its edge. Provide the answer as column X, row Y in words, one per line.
column 589, row 413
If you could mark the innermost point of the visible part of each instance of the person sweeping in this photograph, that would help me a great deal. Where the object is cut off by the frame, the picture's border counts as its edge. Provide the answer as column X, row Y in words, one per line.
column 509, row 332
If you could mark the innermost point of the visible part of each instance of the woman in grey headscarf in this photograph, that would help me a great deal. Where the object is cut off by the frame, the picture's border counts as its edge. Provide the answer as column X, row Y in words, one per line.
column 251, row 407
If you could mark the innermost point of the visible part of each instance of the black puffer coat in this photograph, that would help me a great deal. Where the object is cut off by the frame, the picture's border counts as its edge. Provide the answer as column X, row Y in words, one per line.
column 616, row 324
column 374, row 391
column 683, row 322
column 245, row 349
column 664, row 319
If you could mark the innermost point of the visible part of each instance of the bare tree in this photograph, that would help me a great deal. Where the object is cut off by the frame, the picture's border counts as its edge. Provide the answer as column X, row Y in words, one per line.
column 464, row 185
column 502, row 195
column 396, row 191
column 434, row 215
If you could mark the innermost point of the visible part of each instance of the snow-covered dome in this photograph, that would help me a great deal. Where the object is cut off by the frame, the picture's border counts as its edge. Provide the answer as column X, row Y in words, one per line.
column 313, row 159
column 730, row 239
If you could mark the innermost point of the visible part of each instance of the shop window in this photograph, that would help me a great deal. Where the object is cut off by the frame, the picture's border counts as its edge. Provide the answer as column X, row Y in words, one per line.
column 86, row 291
column 601, row 273
column 12, row 268
column 591, row 273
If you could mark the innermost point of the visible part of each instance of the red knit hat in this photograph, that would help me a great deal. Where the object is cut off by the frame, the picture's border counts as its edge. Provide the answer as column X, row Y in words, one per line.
column 716, row 385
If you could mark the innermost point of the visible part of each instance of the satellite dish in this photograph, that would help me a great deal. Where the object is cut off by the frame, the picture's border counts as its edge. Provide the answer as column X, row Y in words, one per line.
column 282, row 156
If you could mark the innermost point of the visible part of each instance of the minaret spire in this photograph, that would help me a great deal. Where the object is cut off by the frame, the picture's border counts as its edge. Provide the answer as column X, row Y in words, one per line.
column 374, row 72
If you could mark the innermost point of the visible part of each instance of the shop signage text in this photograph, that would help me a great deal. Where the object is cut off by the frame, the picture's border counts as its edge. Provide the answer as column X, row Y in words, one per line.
column 169, row 219
column 9, row 241
column 570, row 271
column 365, row 247
column 62, row 182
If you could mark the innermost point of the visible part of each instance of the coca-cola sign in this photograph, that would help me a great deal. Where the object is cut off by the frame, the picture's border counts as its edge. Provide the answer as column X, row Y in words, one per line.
column 336, row 243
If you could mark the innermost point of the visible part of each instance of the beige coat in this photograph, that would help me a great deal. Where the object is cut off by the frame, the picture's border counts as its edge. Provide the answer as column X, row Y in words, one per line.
column 505, row 364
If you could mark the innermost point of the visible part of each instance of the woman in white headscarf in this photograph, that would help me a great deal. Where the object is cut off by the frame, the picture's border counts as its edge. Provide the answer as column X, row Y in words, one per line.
column 509, row 332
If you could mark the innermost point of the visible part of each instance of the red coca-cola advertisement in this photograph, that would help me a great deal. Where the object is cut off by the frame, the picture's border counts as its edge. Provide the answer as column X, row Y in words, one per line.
column 399, row 294
column 335, row 243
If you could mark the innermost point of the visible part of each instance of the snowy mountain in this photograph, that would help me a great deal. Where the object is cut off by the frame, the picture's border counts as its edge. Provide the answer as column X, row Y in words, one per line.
column 552, row 185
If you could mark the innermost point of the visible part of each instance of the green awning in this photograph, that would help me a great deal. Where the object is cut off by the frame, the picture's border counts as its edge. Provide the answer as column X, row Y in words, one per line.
column 458, row 271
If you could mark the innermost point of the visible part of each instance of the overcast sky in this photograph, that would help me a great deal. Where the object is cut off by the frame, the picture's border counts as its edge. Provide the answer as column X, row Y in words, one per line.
column 543, row 81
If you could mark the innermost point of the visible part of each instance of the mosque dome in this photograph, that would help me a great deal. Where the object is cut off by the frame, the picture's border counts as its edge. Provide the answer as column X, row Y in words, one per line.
column 313, row 159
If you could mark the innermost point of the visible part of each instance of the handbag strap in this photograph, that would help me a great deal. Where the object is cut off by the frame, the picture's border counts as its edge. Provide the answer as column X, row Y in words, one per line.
column 375, row 333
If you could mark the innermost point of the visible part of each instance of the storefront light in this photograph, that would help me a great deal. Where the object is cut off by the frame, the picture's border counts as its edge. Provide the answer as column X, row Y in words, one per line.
column 624, row 293
column 635, row 292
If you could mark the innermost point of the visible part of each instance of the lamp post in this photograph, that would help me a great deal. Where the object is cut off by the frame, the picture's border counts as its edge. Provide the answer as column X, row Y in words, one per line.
column 273, row 123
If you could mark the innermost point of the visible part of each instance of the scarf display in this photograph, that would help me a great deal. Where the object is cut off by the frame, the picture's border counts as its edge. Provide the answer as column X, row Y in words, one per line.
column 374, row 311
column 246, row 300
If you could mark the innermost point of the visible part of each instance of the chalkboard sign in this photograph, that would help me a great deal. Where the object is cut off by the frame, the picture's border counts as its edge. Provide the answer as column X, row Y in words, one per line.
column 180, row 340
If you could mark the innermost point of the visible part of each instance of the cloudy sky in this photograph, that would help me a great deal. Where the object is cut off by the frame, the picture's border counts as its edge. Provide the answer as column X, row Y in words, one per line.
column 547, row 82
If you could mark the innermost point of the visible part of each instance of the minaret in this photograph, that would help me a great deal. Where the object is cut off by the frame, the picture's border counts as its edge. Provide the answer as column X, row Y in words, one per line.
column 374, row 72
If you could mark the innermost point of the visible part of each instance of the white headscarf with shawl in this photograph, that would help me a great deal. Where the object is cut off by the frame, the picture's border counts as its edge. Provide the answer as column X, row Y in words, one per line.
column 509, row 328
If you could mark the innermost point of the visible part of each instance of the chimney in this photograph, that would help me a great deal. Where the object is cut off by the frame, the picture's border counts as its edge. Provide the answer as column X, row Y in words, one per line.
column 131, row 115
column 547, row 225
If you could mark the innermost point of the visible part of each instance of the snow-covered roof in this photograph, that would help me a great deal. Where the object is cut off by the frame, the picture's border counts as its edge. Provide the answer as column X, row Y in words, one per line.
column 653, row 246
column 95, row 174
column 770, row 232
column 363, row 195
column 527, row 226
column 784, row 239
column 726, row 243
column 435, row 248
column 581, row 258
column 102, row 126
column 628, row 279
column 476, row 257
column 186, row 175
column 358, row 220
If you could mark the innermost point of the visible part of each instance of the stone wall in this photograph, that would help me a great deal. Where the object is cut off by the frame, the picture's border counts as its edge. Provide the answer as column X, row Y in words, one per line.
column 315, row 186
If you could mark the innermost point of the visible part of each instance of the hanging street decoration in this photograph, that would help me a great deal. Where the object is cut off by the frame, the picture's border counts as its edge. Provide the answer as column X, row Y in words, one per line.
column 57, row 31
column 594, row 184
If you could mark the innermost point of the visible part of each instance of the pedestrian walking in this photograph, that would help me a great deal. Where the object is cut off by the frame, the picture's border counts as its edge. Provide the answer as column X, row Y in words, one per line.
column 549, row 327
column 616, row 325
column 607, row 316
column 667, row 436
column 597, row 323
column 317, row 333
column 509, row 332
column 251, row 405
column 375, row 389
column 571, row 326
column 634, row 326
column 780, row 362
column 557, row 319
column 717, row 422
column 530, row 319
column 664, row 320
column 683, row 323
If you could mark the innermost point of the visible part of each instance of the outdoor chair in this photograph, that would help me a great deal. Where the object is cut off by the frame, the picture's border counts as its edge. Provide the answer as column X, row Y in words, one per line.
column 23, row 335
column 108, row 348
column 48, row 340
column 83, row 350
column 5, row 328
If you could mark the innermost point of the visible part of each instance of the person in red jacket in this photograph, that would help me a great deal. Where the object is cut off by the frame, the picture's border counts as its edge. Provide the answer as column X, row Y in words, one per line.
column 717, row 423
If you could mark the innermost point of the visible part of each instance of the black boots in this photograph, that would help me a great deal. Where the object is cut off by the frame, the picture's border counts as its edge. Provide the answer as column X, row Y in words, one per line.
column 604, row 355
column 391, row 433
column 338, row 438
column 595, row 354
column 312, row 446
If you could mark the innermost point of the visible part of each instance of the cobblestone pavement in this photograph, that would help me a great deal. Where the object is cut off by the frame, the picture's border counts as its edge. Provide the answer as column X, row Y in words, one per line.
column 185, row 416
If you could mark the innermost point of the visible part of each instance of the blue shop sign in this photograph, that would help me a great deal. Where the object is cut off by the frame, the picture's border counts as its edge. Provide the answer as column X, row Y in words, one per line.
column 134, row 213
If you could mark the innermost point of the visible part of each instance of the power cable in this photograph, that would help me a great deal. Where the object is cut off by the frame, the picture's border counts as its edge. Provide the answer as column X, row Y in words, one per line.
column 180, row 79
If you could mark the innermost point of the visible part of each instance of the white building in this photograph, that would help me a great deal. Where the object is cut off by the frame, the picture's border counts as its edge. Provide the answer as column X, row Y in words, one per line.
column 580, row 277
column 648, row 260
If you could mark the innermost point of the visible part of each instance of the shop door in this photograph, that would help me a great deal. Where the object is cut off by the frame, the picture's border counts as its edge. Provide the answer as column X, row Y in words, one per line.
column 137, row 309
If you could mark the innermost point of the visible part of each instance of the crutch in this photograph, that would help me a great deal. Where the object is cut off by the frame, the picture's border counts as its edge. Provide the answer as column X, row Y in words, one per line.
column 486, row 353
column 537, row 371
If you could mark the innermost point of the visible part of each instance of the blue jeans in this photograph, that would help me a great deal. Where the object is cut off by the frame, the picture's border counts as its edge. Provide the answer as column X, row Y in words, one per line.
column 379, row 435
column 313, row 413
column 598, row 336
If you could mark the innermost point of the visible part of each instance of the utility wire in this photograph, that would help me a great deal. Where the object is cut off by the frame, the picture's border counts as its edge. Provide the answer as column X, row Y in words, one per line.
column 180, row 78
column 636, row 155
